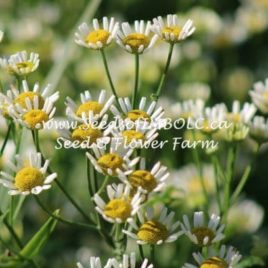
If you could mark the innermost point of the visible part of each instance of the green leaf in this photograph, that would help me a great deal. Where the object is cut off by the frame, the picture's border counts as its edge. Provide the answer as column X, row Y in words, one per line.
column 250, row 262
column 34, row 246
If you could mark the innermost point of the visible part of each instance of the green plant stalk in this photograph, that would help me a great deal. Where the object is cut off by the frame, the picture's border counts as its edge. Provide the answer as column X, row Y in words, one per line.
column 164, row 74
column 10, row 125
column 141, row 252
column 228, row 183
column 104, row 184
column 136, row 85
column 62, row 188
column 109, row 76
column 43, row 207
column 217, row 183
column 118, row 242
column 90, row 191
column 152, row 254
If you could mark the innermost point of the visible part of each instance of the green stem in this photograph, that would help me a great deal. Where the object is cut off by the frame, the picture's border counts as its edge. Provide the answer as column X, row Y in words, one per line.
column 6, row 138
column 87, row 226
column 89, row 178
column 163, row 77
column 36, row 142
column 217, row 182
column 104, row 184
column 136, row 86
column 141, row 252
column 118, row 242
column 228, row 183
column 152, row 253
column 109, row 75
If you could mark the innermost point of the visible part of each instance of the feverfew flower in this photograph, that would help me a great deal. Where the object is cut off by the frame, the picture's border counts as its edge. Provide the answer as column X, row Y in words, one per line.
column 34, row 115
column 129, row 261
column 148, row 113
column 173, row 31
column 258, row 129
column 113, row 160
column 202, row 233
column 121, row 207
column 153, row 229
column 88, row 107
column 100, row 36
column 20, row 63
column 29, row 175
column 259, row 95
column 222, row 258
column 147, row 180
column 138, row 40
column 16, row 97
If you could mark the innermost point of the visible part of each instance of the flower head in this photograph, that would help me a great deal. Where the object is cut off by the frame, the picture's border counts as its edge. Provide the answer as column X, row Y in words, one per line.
column 154, row 229
column 30, row 175
column 98, row 37
column 149, row 114
column 147, row 180
column 201, row 233
column 35, row 114
column 113, row 160
column 222, row 258
column 136, row 41
column 173, row 31
column 128, row 261
column 258, row 129
column 121, row 206
column 20, row 63
column 89, row 107
column 259, row 95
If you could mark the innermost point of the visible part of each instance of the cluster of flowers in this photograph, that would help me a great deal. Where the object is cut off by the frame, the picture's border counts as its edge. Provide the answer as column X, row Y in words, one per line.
column 126, row 200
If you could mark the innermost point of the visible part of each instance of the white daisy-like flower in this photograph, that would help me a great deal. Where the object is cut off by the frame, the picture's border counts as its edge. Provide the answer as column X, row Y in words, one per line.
column 112, row 160
column 188, row 109
column 222, row 258
column 35, row 114
column 90, row 131
column 4, row 105
column 128, row 261
column 1, row 35
column 202, row 233
column 98, row 37
column 211, row 118
column 154, row 229
column 258, row 129
column 30, row 175
column 122, row 205
column 20, row 63
column 136, row 41
column 240, row 114
column 88, row 106
column 139, row 133
column 150, row 114
column 14, row 96
column 259, row 95
column 147, row 180
column 173, row 30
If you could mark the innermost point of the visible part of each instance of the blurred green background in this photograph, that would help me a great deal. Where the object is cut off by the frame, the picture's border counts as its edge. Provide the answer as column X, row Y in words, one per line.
column 219, row 63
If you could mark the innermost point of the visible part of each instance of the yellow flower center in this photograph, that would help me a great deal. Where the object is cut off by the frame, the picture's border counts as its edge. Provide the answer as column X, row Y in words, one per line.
column 110, row 161
column 85, row 132
column 135, row 40
column 130, row 135
column 34, row 117
column 28, row 178
column 186, row 115
column 152, row 231
column 98, row 36
column 89, row 106
column 21, row 98
column 265, row 95
column 214, row 262
column 171, row 30
column 25, row 64
column 135, row 115
column 142, row 178
column 234, row 117
column 206, row 127
column 118, row 208
column 201, row 233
